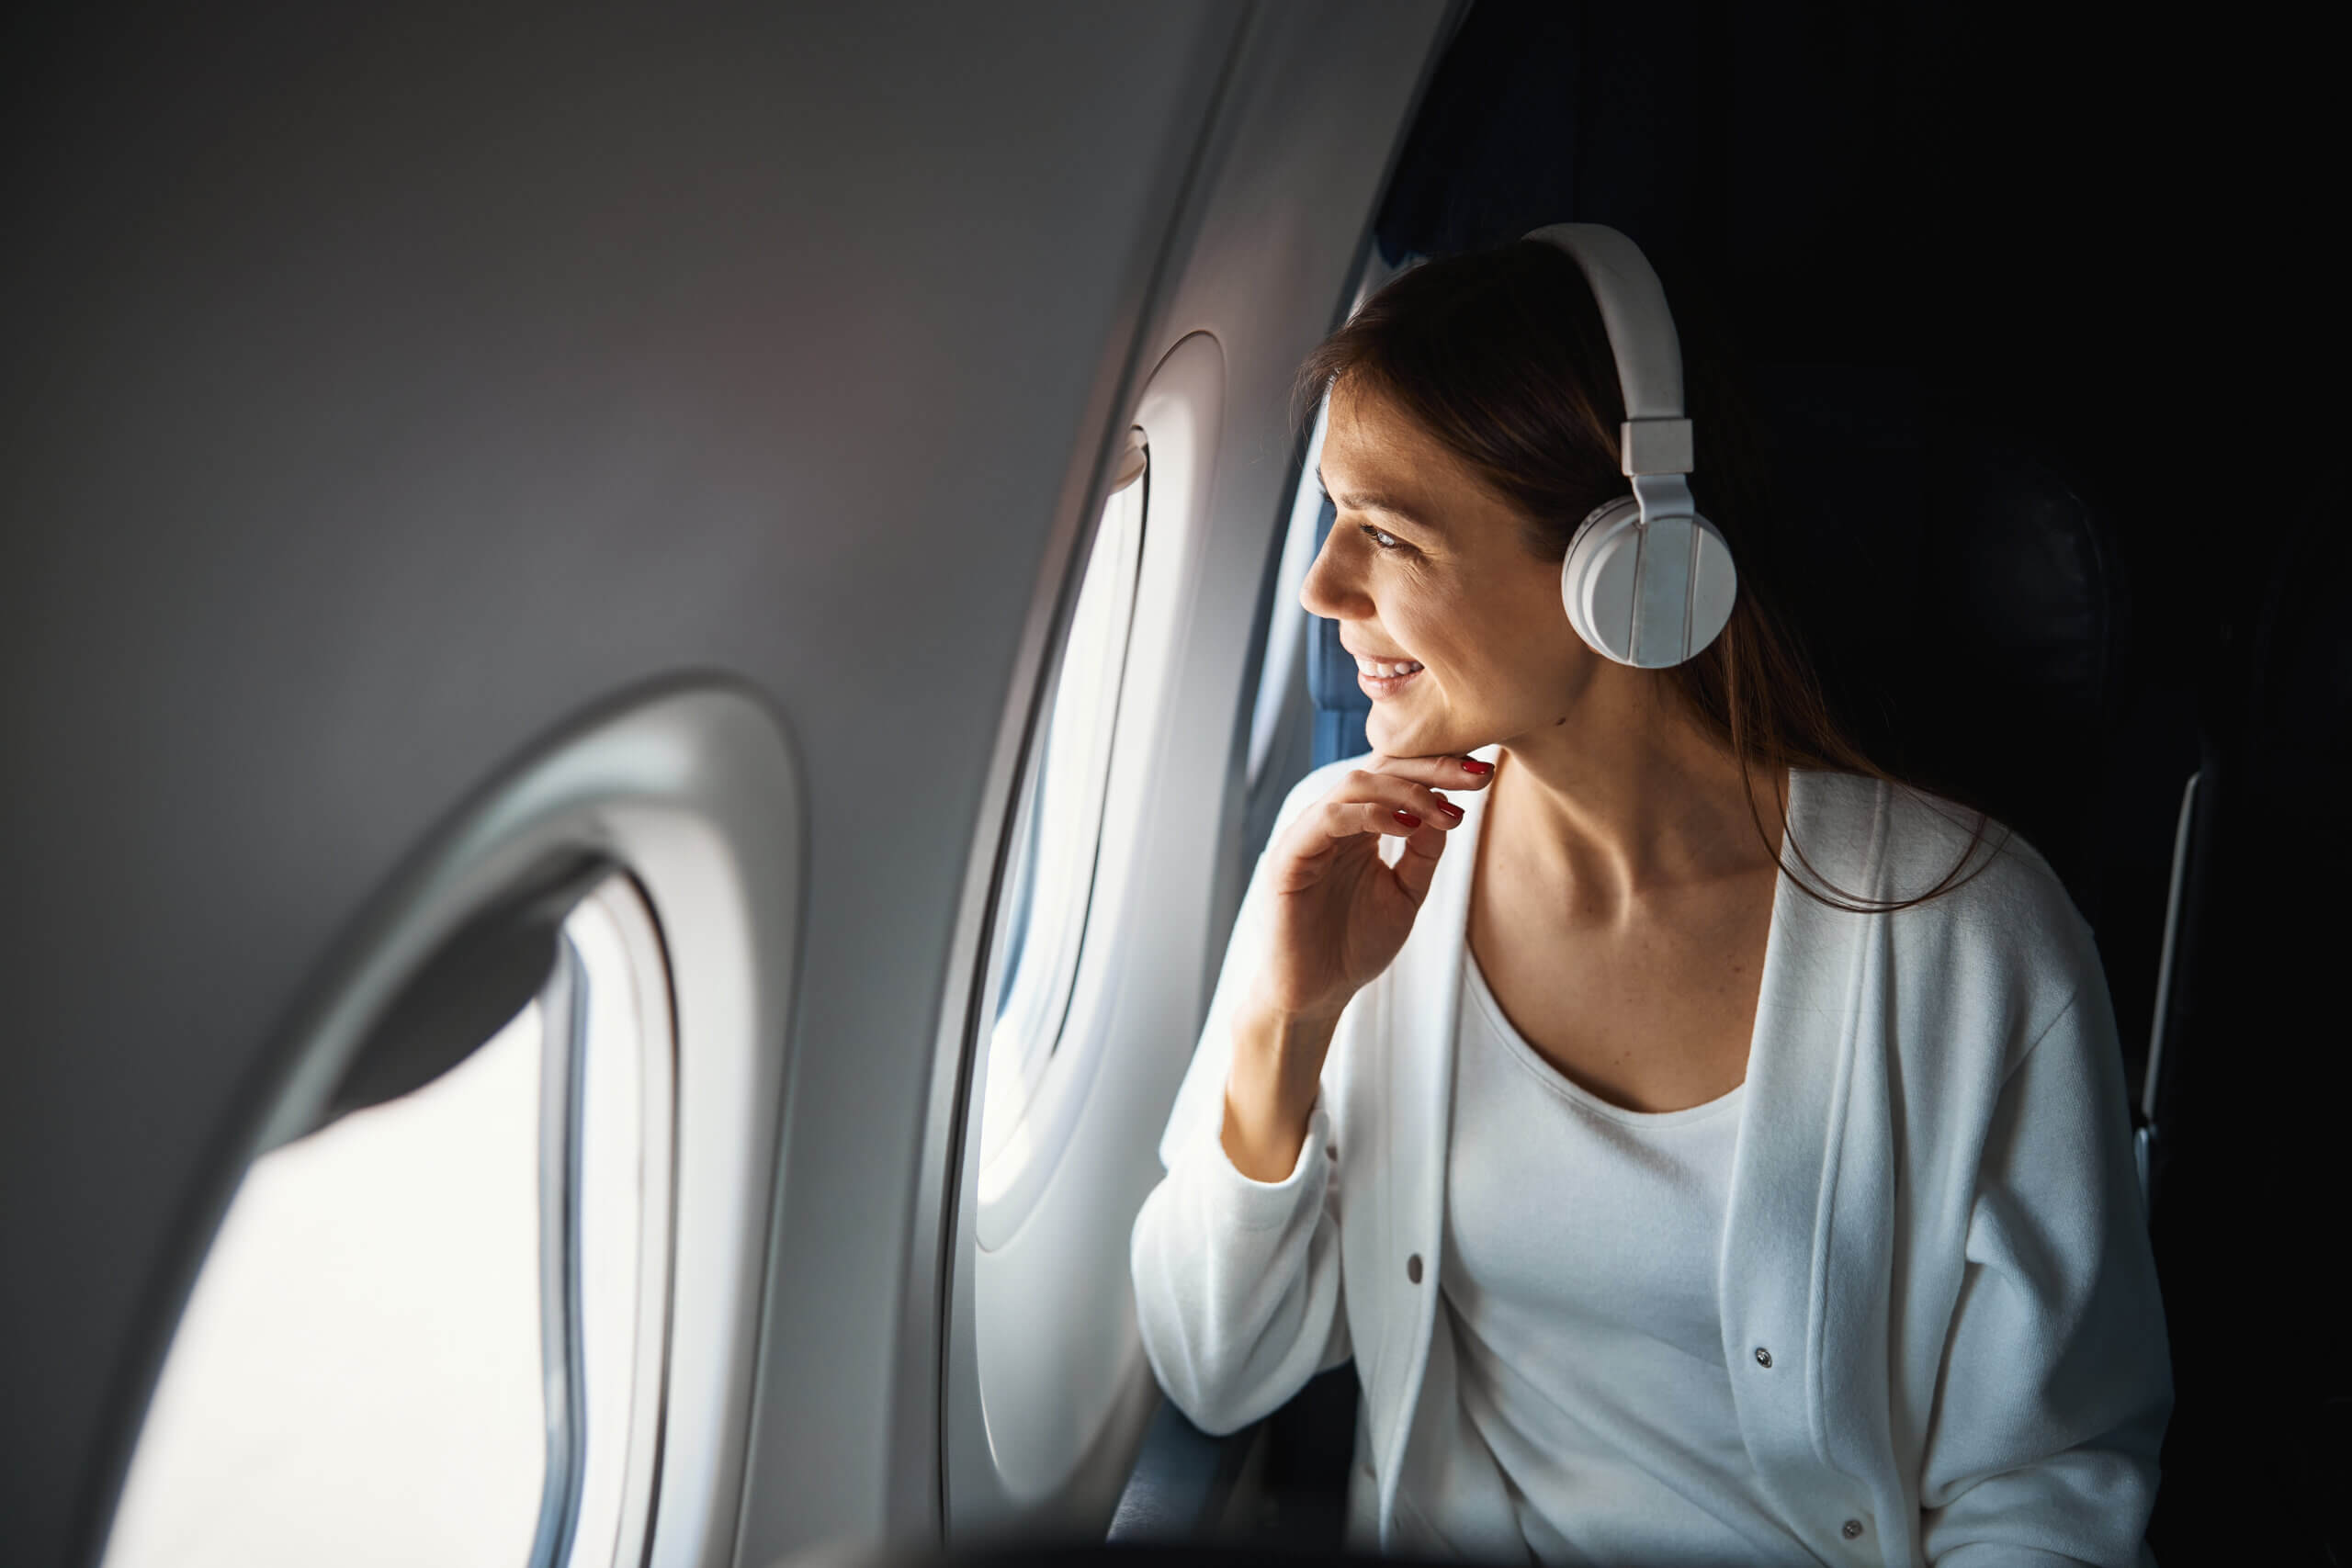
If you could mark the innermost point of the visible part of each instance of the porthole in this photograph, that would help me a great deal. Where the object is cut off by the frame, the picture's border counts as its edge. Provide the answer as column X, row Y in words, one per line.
column 1045, row 1378
column 1057, row 835
column 430, row 1330
column 486, row 1289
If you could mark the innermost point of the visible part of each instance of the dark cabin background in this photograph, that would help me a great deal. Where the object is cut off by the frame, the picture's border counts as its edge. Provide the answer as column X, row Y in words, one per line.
column 2033, row 307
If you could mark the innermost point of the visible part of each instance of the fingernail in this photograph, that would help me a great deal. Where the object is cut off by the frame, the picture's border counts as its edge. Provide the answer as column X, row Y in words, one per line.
column 1406, row 817
column 1450, row 809
column 1471, row 764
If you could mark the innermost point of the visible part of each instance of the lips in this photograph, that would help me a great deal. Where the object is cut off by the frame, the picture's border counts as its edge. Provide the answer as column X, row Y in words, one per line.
column 1385, row 677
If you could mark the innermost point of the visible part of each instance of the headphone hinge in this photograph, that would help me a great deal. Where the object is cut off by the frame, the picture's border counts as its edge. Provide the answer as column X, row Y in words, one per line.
column 1664, row 495
column 1655, row 446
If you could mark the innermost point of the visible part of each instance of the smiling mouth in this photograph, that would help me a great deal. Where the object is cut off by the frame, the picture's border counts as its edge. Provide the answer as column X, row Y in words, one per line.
column 1385, row 677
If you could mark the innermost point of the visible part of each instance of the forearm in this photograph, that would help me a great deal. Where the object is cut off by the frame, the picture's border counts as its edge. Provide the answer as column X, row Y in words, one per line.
column 1271, row 1088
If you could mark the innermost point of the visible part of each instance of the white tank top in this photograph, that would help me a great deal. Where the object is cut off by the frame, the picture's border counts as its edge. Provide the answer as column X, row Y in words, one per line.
column 1582, row 1245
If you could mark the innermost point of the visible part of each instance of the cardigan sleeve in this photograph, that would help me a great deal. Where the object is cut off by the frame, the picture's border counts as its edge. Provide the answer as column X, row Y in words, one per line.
column 1237, row 1282
column 1237, row 1291
column 2056, row 1381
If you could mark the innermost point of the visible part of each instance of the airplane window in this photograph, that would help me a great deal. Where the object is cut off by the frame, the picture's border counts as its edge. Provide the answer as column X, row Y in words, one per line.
column 430, row 1331
column 1284, row 670
column 1050, row 879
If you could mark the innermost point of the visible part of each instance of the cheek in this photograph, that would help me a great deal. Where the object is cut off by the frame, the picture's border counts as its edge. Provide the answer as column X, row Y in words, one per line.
column 1485, row 624
column 1500, row 632
column 1521, row 649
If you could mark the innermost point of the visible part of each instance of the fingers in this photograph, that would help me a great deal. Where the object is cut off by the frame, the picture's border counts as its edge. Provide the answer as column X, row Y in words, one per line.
column 1371, row 805
column 1382, row 802
column 1369, row 802
column 1452, row 770
column 1416, row 867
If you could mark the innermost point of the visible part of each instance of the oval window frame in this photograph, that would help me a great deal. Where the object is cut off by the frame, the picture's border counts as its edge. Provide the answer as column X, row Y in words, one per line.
column 692, row 787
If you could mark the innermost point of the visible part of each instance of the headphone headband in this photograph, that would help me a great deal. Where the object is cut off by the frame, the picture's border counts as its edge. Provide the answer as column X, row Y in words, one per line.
column 1656, row 436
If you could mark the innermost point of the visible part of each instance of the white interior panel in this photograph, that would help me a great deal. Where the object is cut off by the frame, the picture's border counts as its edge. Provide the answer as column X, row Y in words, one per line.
column 1046, row 1386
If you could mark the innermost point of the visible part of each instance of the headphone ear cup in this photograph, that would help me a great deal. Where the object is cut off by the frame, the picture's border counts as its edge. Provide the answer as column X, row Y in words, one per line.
column 1716, row 588
column 1597, row 578
column 1603, row 578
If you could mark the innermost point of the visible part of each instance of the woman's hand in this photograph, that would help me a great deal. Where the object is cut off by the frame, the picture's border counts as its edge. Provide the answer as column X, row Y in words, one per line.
column 1339, row 915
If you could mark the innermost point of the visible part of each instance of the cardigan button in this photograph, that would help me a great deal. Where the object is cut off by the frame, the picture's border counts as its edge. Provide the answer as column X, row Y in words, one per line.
column 1413, row 1268
column 1763, row 1357
column 1852, row 1529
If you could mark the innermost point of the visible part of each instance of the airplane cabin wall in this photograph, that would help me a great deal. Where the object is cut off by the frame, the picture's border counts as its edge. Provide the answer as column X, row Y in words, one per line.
column 386, row 389
column 1308, row 128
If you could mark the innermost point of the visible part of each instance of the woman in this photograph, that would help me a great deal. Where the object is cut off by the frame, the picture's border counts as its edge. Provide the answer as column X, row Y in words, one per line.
column 1708, row 1148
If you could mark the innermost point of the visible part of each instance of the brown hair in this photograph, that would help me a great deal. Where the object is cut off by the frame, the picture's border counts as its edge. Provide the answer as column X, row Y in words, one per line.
column 1500, row 354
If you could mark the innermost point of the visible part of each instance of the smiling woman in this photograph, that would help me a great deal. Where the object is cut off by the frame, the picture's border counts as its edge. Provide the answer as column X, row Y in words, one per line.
column 1671, row 1193
column 1463, row 421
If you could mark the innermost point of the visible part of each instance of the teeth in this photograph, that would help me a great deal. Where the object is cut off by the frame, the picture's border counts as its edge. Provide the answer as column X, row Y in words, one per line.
column 1383, row 672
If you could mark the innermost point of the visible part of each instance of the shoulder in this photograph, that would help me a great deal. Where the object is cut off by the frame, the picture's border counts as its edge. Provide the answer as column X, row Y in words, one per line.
column 2002, row 943
column 1997, row 877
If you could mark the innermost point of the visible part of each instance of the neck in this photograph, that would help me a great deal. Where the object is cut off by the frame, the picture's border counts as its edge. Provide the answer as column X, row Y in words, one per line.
column 1627, row 799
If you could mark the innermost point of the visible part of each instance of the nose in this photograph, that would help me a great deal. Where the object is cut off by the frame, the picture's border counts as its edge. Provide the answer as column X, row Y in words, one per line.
column 1329, row 588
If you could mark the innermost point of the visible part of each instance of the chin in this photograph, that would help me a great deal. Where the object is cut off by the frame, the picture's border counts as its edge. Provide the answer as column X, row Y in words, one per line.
column 1410, row 737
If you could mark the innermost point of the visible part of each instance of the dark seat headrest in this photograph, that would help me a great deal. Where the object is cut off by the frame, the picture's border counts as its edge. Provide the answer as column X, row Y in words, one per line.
column 1960, row 594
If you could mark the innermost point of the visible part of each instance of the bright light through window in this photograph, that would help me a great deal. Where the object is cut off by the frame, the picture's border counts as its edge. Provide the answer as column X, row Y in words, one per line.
column 358, row 1375
column 1051, row 879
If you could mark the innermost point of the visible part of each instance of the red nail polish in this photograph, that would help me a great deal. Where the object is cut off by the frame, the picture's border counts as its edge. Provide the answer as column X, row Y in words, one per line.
column 1450, row 809
column 1406, row 817
column 1471, row 764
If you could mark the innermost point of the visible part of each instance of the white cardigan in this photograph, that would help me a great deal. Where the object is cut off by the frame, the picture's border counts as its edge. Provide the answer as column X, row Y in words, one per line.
column 1939, row 1304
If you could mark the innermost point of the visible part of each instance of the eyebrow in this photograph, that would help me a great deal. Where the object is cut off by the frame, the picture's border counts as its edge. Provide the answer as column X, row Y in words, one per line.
column 1374, row 501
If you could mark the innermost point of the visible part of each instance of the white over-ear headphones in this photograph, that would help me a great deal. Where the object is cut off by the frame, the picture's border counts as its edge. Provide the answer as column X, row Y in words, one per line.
column 1647, row 581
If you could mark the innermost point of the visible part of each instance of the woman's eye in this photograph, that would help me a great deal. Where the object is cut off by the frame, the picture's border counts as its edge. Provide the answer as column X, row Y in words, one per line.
column 1381, row 537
